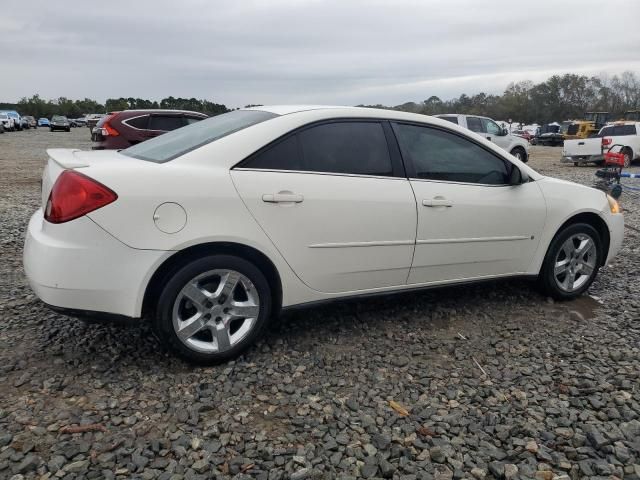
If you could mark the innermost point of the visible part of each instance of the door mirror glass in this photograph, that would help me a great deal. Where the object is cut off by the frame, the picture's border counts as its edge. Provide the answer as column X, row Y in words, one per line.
column 504, row 132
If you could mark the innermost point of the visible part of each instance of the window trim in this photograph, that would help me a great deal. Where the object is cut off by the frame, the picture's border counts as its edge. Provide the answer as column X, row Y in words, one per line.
column 126, row 121
column 410, row 168
column 397, row 165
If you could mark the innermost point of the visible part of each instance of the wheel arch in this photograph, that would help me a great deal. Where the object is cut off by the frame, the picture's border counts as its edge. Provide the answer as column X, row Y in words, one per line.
column 180, row 257
column 596, row 222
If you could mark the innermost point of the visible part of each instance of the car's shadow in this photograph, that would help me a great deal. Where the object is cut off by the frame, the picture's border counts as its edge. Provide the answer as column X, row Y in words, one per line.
column 109, row 347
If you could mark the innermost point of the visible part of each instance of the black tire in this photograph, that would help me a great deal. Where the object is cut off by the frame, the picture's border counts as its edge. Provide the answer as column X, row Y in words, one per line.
column 51, row 129
column 628, row 157
column 521, row 152
column 547, row 280
column 576, row 164
column 67, row 129
column 162, row 317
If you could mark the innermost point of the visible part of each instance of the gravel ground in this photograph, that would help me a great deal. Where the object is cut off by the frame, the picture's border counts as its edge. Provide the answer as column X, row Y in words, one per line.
column 490, row 381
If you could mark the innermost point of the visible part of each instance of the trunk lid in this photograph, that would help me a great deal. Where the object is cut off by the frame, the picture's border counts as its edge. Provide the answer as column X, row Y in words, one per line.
column 61, row 159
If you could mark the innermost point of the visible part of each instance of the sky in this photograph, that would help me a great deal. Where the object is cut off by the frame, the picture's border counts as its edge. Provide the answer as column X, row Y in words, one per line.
column 306, row 51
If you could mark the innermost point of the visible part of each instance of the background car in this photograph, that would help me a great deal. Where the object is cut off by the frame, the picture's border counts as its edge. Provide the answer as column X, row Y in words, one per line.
column 43, row 122
column 31, row 122
column 93, row 118
column 80, row 122
column 15, row 117
column 59, row 122
column 489, row 129
column 122, row 129
column 210, row 229
column 7, row 123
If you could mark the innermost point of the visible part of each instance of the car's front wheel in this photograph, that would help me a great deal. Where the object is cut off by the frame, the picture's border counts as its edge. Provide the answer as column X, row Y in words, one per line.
column 572, row 262
column 213, row 308
column 519, row 153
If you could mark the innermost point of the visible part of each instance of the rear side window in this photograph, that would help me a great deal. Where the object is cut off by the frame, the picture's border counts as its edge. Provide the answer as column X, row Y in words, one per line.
column 178, row 142
column 190, row 120
column 165, row 122
column 439, row 155
column 284, row 155
column 138, row 122
column 450, row 119
column 358, row 148
column 618, row 131
column 474, row 124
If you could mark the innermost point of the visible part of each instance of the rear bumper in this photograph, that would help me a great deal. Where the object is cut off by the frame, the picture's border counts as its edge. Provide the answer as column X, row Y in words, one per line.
column 582, row 158
column 80, row 267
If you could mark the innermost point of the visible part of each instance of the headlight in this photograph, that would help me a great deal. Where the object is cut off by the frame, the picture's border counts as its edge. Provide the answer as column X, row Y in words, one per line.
column 614, row 206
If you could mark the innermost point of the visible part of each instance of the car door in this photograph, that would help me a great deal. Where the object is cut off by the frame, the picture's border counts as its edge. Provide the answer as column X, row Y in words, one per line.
column 336, row 203
column 472, row 222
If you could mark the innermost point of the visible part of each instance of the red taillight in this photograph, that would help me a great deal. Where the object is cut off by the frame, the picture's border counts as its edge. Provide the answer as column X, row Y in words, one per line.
column 74, row 195
column 107, row 129
column 606, row 141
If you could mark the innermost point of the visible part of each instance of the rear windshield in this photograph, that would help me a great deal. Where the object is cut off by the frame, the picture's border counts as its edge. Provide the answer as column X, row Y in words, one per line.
column 178, row 142
column 617, row 131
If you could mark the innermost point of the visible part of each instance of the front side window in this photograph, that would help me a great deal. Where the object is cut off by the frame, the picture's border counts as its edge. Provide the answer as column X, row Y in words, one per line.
column 440, row 155
column 491, row 127
column 474, row 124
column 346, row 147
column 358, row 148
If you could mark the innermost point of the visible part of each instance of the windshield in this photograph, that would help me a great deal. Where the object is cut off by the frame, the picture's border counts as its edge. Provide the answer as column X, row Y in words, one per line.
column 178, row 142
column 58, row 118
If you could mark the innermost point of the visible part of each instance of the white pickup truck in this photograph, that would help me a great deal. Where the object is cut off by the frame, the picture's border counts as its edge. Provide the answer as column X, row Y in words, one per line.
column 625, row 136
column 487, row 128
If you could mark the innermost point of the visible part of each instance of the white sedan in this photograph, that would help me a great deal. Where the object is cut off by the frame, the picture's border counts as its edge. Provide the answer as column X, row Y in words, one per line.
column 210, row 230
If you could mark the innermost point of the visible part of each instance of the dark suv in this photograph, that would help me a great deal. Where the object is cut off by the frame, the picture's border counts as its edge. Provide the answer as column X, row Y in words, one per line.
column 122, row 129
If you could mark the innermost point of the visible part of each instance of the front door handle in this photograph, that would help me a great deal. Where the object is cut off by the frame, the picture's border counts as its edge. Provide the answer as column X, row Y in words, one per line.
column 489, row 138
column 282, row 197
column 437, row 202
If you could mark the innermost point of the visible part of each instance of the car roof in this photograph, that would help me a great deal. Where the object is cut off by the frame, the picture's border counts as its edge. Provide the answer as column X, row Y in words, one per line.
column 157, row 110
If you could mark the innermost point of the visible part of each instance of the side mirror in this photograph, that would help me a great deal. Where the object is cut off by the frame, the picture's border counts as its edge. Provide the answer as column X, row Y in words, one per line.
column 504, row 132
column 518, row 177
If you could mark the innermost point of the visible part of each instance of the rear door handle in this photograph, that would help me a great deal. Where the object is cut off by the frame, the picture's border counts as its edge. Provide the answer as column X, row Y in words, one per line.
column 437, row 202
column 282, row 197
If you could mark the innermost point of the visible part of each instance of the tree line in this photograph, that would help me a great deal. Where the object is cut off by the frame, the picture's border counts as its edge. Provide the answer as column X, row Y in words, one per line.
column 560, row 97
column 39, row 107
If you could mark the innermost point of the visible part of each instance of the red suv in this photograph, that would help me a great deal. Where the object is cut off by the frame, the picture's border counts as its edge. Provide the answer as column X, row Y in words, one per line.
column 122, row 129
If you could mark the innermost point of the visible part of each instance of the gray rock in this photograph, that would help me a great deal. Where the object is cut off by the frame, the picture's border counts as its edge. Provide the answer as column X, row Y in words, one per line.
column 381, row 441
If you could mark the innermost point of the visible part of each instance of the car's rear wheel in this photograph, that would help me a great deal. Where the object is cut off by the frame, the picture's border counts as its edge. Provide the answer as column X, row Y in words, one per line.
column 572, row 262
column 213, row 308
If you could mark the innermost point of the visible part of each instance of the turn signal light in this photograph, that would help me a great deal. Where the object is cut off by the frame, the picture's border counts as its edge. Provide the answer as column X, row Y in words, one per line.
column 74, row 195
column 614, row 206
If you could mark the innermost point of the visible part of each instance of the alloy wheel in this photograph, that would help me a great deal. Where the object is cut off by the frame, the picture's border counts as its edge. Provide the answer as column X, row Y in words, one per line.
column 575, row 262
column 215, row 310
